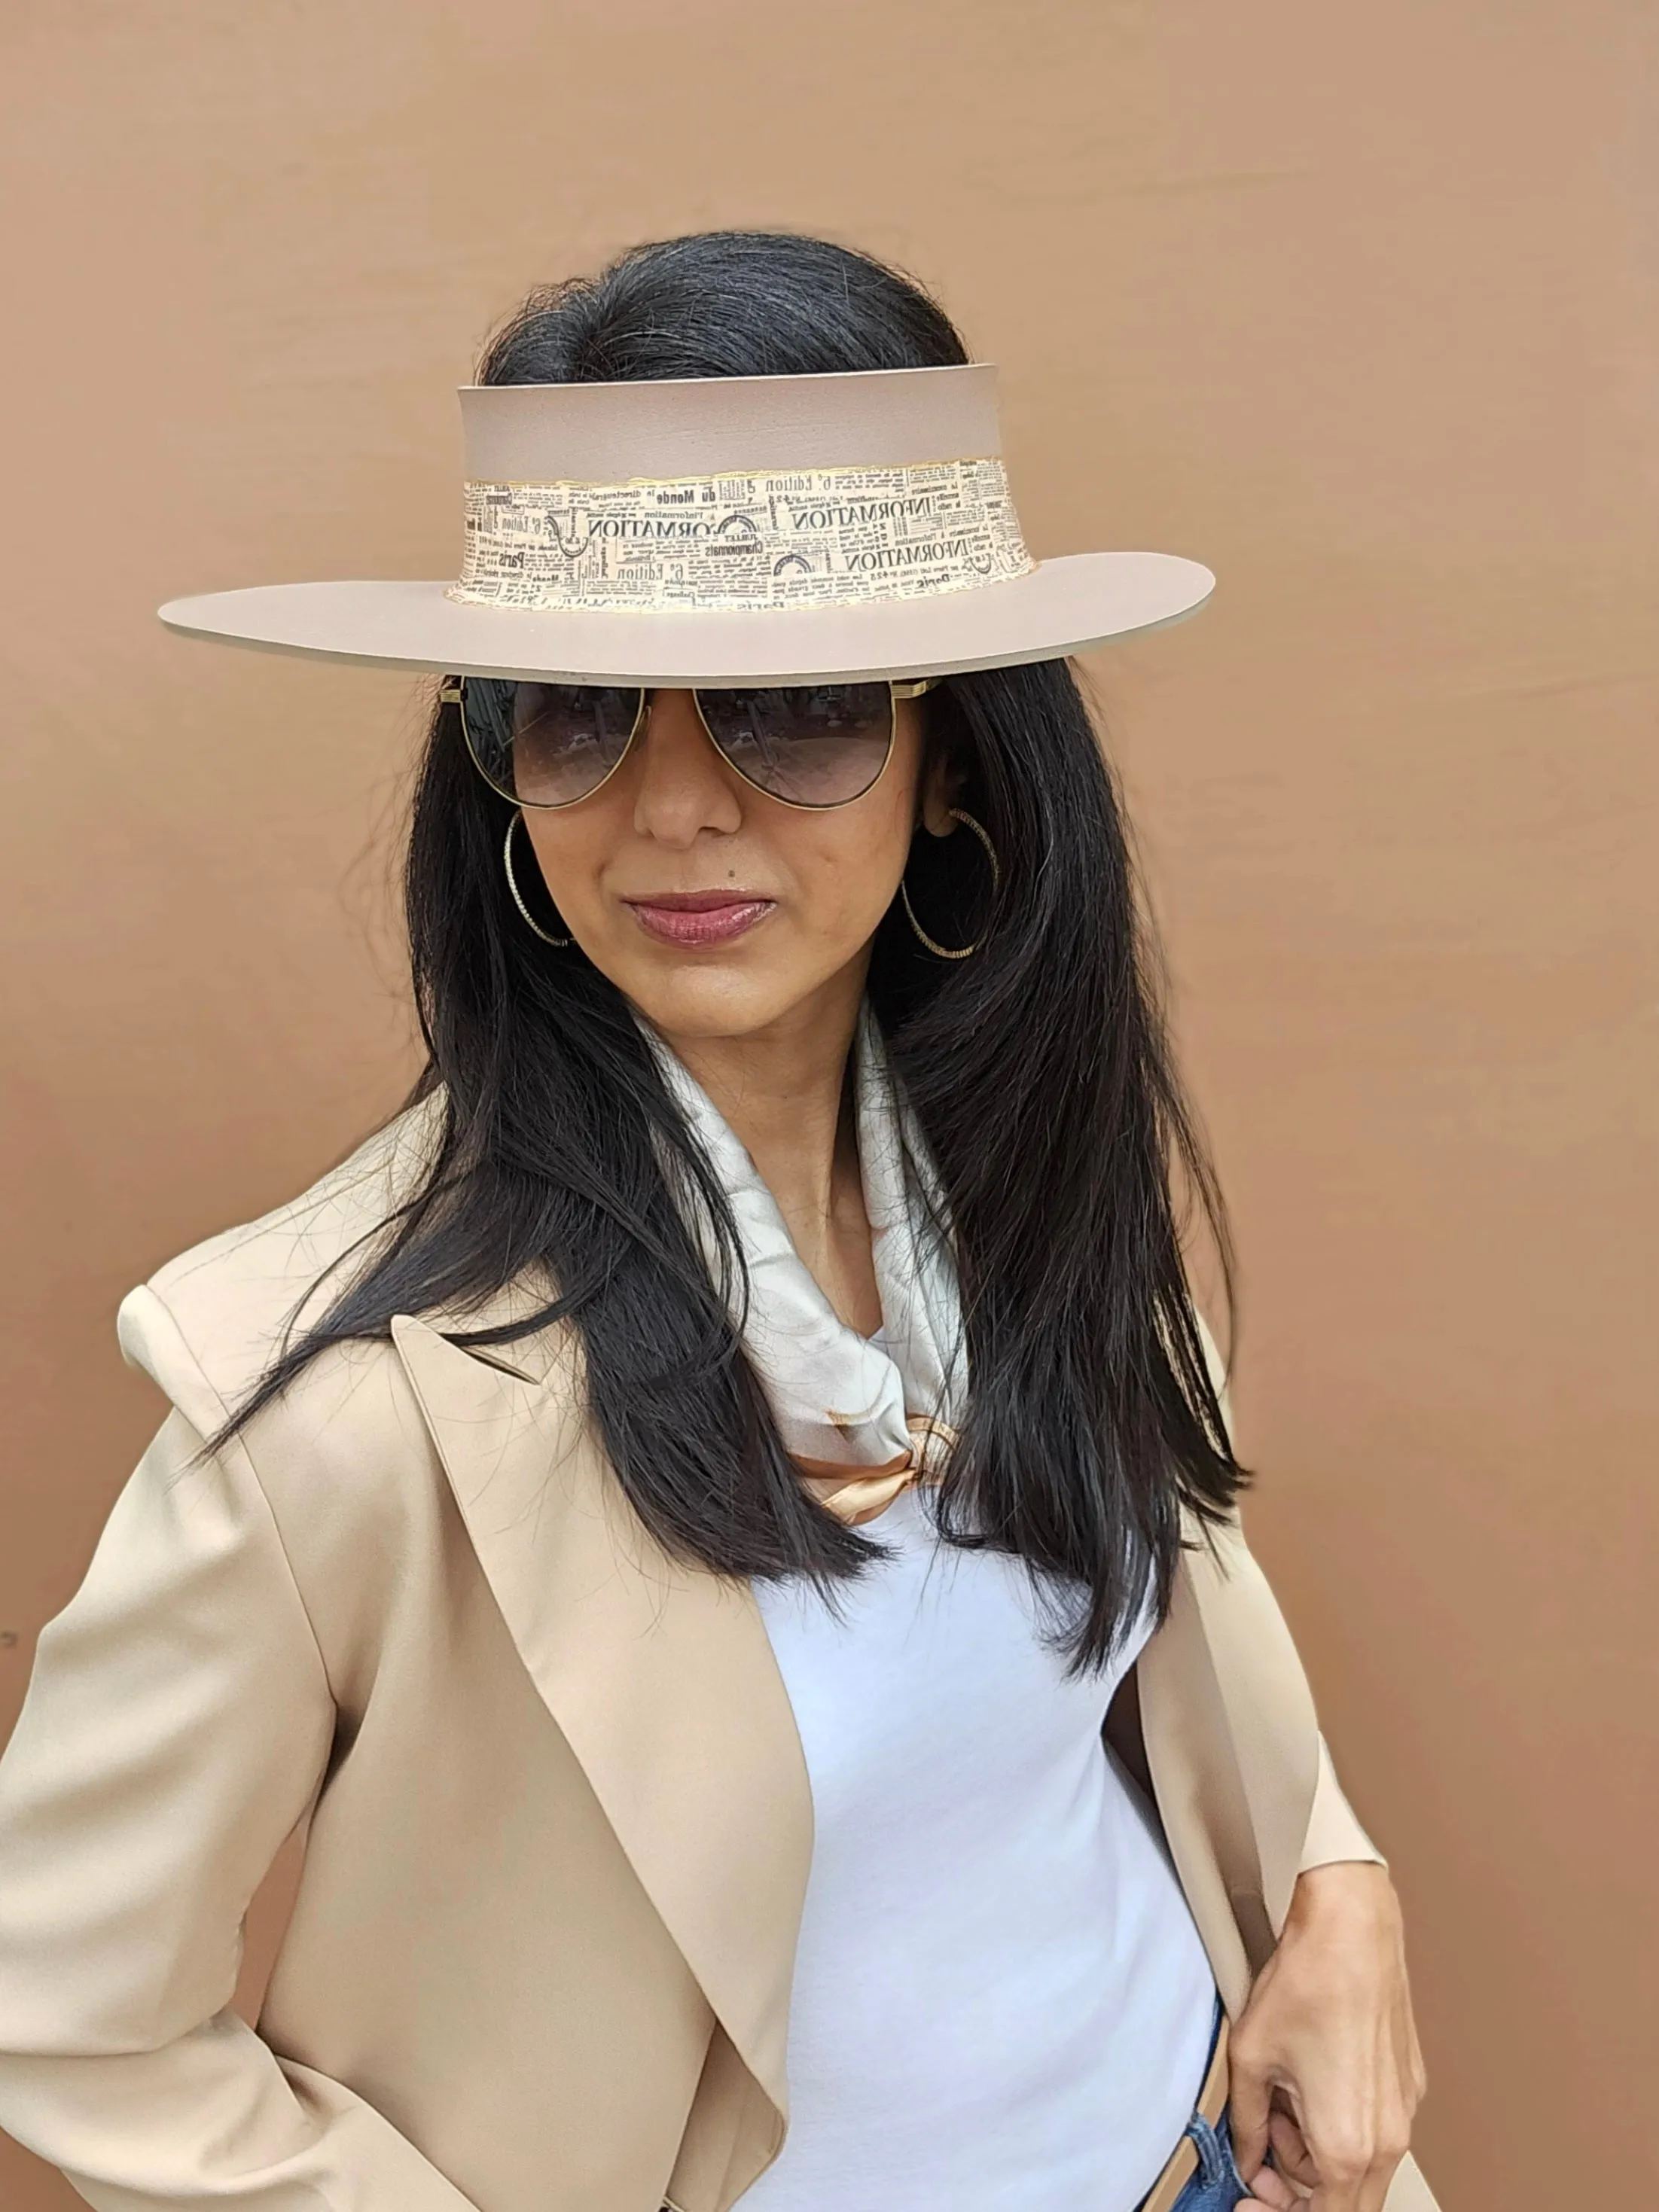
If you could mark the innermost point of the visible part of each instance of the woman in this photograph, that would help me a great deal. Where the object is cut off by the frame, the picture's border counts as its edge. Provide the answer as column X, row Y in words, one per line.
column 673, row 1516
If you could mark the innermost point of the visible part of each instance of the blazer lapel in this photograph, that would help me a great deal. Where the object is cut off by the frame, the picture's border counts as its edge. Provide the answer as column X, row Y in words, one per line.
column 660, row 1676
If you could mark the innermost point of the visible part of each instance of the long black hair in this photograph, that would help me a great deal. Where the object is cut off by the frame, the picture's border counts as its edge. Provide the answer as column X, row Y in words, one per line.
column 1038, row 1071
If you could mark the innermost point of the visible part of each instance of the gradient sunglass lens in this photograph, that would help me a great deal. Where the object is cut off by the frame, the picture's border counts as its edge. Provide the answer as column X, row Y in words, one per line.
column 813, row 745
column 548, row 745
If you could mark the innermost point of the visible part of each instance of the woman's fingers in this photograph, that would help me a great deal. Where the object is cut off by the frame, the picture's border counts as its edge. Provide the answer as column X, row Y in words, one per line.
column 1346, row 2177
column 1274, row 2190
column 1249, row 2096
column 1355, row 2177
column 1290, row 2147
column 1346, row 2172
column 1349, row 2164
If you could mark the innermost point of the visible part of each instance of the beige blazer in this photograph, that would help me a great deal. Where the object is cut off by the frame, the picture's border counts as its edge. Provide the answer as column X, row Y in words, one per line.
column 558, row 1823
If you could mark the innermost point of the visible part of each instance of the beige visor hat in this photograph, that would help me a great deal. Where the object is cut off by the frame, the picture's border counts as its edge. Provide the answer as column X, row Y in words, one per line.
column 727, row 532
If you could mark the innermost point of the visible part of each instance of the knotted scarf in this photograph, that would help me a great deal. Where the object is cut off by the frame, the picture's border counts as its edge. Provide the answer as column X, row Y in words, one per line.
column 862, row 1417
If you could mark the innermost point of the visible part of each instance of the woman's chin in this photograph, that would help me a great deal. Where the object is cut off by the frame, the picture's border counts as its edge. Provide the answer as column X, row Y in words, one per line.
column 729, row 992
column 707, row 996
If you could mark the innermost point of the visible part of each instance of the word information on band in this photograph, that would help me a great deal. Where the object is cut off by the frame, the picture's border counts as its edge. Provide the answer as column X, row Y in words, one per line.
column 812, row 537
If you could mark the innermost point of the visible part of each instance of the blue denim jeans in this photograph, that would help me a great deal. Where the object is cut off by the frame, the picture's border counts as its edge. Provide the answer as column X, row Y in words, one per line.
column 1216, row 2186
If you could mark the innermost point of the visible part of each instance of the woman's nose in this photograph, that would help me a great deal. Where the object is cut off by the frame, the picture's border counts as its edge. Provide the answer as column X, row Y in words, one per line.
column 682, row 787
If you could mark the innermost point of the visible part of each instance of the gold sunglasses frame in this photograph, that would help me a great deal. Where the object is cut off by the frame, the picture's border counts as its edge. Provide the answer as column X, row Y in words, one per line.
column 452, row 693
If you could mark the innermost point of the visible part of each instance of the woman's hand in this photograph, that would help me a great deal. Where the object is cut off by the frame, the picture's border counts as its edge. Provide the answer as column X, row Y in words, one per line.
column 1325, row 2063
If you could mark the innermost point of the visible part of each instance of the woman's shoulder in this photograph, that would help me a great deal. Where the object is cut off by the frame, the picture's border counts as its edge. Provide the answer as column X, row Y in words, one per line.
column 205, row 1325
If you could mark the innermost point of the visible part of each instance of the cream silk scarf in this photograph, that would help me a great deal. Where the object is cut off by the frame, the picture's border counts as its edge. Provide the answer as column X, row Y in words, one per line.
column 861, row 1420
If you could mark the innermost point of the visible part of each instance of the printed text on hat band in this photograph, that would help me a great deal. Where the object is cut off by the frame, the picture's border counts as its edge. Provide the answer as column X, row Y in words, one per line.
column 802, row 538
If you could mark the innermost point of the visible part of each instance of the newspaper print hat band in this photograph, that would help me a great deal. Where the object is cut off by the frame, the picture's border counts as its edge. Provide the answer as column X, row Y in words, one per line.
column 795, row 538
column 727, row 530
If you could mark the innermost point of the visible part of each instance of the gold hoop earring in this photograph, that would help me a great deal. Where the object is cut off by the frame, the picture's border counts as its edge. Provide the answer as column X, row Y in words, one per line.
column 546, row 935
column 960, row 952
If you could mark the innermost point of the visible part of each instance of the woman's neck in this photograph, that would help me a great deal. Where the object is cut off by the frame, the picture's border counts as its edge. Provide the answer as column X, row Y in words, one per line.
column 783, row 1093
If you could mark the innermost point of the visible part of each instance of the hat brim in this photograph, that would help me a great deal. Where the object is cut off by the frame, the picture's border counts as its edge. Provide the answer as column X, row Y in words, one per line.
column 1060, row 607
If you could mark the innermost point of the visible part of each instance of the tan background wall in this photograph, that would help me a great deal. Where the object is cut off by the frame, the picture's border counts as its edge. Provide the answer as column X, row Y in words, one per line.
column 1357, row 304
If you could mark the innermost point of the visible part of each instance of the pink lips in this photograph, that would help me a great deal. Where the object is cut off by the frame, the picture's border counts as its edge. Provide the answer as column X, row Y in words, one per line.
column 694, row 918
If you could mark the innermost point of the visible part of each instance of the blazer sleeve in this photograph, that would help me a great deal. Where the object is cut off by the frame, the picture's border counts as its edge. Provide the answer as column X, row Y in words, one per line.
column 1333, row 1833
column 1334, row 1829
column 177, row 1726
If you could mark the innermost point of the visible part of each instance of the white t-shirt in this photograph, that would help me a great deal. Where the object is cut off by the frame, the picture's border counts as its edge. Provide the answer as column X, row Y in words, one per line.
column 1001, row 2001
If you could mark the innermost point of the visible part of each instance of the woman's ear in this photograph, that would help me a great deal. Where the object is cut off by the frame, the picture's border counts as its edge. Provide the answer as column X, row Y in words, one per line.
column 940, row 787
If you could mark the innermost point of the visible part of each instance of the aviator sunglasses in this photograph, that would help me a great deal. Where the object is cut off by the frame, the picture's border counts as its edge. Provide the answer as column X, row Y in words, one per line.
column 808, row 744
